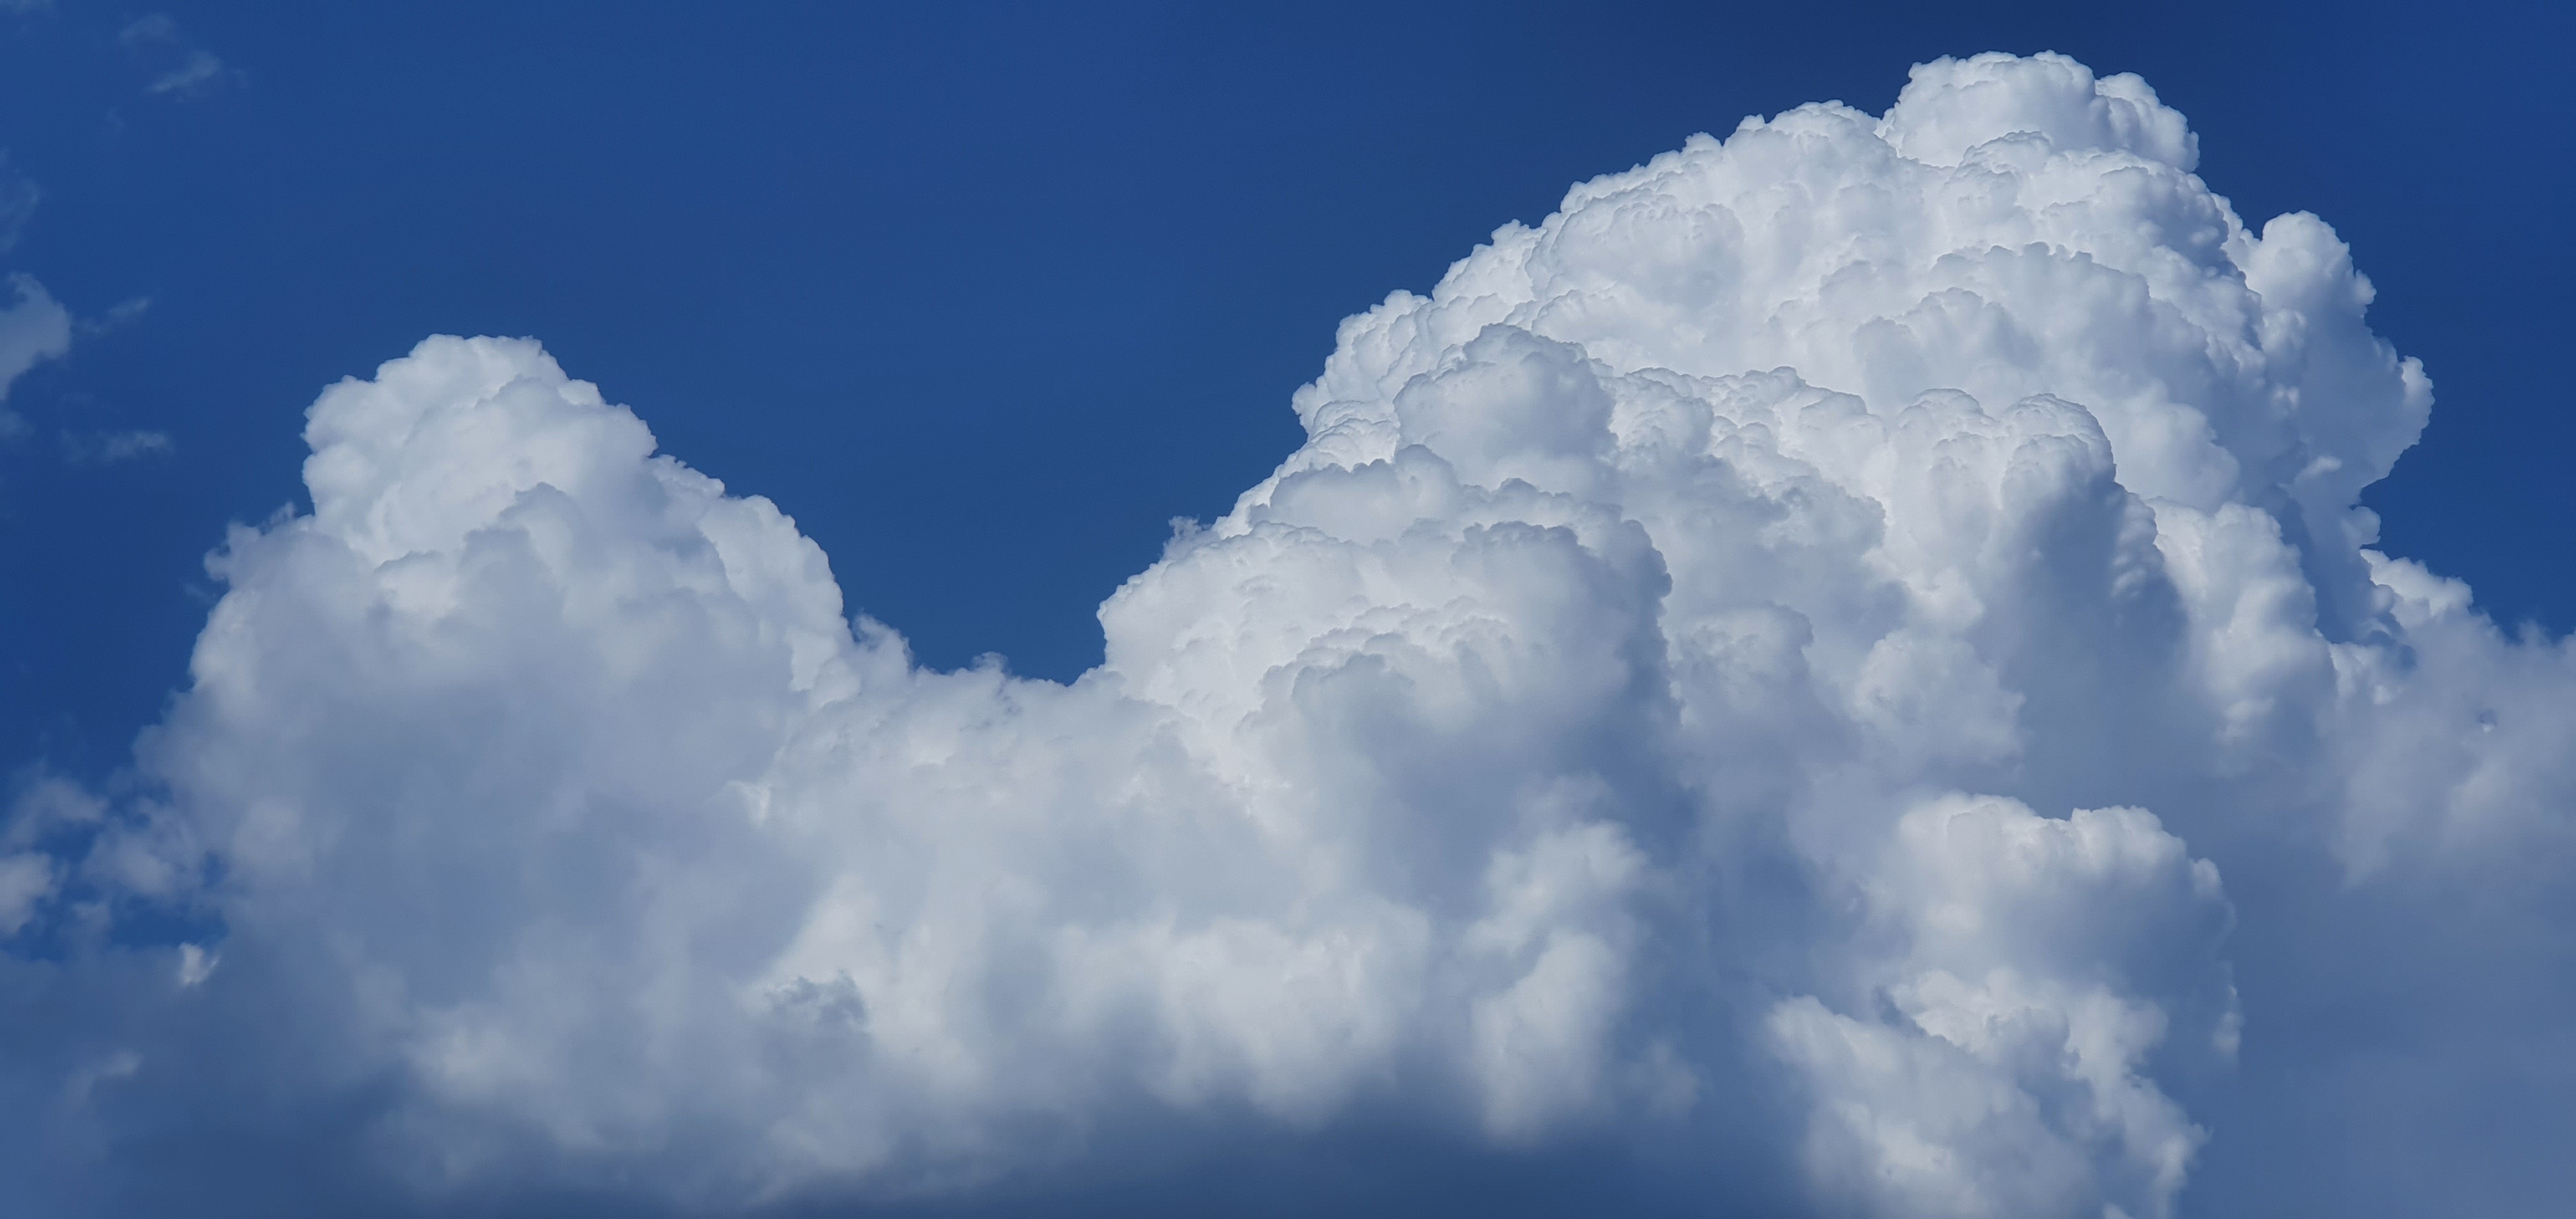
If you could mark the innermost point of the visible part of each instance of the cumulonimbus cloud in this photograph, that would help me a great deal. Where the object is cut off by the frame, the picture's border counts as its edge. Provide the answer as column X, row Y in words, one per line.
column 1855, row 642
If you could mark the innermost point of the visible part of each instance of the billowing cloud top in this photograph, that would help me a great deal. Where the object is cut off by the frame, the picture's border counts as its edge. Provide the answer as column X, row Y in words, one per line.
column 1852, row 645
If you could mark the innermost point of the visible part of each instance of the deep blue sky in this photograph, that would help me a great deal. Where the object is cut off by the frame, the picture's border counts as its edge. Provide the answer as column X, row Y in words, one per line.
column 984, row 296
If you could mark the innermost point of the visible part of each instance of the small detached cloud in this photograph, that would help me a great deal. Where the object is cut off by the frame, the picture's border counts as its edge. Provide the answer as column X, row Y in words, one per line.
column 118, row 316
column 111, row 447
column 18, row 199
column 34, row 328
column 176, row 67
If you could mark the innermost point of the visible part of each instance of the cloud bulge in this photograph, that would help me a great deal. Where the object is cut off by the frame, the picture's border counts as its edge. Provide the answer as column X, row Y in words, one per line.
column 1850, row 648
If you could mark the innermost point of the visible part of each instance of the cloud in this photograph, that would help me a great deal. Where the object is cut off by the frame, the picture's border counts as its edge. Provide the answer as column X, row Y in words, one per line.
column 1851, row 648
column 18, row 199
column 178, row 68
column 34, row 328
column 118, row 316
column 112, row 447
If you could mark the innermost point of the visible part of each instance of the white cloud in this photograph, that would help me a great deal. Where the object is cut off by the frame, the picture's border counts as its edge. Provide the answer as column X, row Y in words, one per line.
column 178, row 68
column 1711, row 664
column 112, row 447
column 2008, row 1075
column 34, row 328
column 26, row 878
column 18, row 199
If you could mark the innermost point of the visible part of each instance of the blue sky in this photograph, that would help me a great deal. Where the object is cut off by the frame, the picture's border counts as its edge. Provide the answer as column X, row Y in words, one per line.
column 997, row 302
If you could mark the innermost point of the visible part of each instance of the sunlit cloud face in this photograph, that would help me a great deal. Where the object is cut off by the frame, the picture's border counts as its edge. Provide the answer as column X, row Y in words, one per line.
column 1794, row 652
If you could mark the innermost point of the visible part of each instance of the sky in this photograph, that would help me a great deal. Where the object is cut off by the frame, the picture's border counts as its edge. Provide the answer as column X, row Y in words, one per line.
column 1625, row 773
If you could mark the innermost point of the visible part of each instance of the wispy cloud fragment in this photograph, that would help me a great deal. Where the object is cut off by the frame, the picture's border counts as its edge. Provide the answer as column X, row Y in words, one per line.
column 118, row 316
column 33, row 329
column 108, row 448
column 18, row 199
column 179, row 69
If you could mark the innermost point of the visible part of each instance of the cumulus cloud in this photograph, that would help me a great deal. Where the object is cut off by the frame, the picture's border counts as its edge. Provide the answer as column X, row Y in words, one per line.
column 1853, row 645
